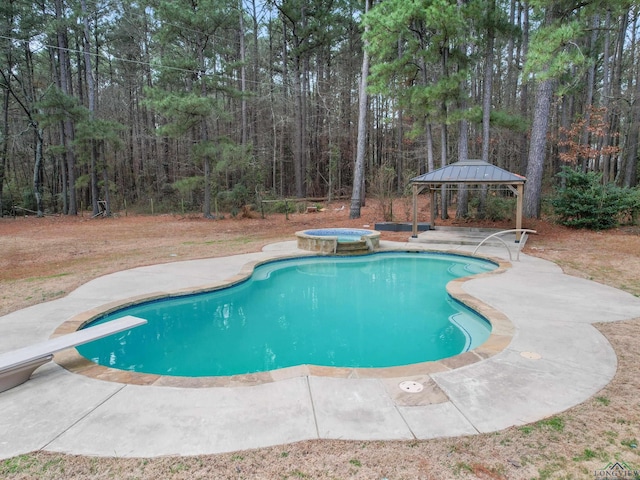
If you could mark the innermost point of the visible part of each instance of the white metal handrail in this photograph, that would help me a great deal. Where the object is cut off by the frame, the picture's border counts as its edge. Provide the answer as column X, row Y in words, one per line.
column 523, row 239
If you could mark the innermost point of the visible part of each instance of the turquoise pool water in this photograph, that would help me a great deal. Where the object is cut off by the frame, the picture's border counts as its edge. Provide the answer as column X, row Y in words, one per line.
column 380, row 310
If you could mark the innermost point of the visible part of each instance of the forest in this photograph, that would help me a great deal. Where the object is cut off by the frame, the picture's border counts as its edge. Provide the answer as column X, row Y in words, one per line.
column 211, row 105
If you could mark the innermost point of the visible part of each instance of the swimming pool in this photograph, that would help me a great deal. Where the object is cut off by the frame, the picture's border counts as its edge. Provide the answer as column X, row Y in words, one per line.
column 381, row 310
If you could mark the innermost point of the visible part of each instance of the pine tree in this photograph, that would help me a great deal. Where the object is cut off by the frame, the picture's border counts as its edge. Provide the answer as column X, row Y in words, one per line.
column 193, row 59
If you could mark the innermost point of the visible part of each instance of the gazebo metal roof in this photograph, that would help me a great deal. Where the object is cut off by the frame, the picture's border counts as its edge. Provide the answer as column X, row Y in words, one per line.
column 469, row 171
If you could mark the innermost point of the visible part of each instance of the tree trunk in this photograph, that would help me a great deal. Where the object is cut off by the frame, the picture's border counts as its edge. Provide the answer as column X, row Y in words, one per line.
column 538, row 143
column 30, row 91
column 524, row 95
column 257, row 85
column 204, row 137
column 207, row 189
column 69, row 189
column 488, row 84
column 431, row 164
column 444, row 201
column 612, row 139
column 358, row 174
column 511, row 90
column 444, row 213
column 298, row 141
column 105, row 179
column 462, row 209
column 591, row 80
column 487, row 92
column 537, row 148
column 91, row 95
column 400, row 166
column 243, row 80
column 37, row 169
column 629, row 179
column 607, row 80
column 5, row 144
column 631, row 165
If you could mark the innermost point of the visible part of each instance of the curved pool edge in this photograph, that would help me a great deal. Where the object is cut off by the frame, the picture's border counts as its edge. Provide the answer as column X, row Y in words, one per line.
column 502, row 331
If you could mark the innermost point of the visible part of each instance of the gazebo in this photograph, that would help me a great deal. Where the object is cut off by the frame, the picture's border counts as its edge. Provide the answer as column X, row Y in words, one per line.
column 469, row 172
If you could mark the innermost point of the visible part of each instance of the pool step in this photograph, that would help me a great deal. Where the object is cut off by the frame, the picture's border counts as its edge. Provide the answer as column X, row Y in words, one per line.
column 352, row 248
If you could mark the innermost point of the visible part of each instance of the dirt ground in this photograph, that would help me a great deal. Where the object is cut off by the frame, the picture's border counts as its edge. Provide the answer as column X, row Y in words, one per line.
column 43, row 259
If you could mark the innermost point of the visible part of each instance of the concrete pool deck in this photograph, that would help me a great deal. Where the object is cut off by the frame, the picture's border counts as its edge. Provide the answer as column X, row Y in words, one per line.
column 555, row 360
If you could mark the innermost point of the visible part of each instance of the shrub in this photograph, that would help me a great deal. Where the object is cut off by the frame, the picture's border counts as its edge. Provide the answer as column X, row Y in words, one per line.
column 381, row 186
column 496, row 207
column 499, row 208
column 582, row 201
column 234, row 200
column 280, row 206
column 634, row 206
column 7, row 204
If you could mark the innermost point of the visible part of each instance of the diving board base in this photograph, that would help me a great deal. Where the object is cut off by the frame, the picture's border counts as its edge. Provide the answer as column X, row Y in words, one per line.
column 17, row 366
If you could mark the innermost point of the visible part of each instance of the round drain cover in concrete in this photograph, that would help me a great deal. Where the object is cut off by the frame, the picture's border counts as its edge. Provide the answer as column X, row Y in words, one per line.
column 411, row 387
column 531, row 355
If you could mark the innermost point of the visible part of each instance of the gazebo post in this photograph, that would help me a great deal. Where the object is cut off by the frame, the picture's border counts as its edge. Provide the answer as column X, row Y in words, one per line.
column 519, row 202
column 414, row 227
column 432, row 220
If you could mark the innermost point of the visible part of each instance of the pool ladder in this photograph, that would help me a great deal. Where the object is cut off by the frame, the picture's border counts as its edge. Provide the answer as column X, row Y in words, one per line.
column 520, row 242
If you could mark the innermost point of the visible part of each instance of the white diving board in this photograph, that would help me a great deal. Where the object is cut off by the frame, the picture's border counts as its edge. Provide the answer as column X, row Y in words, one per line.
column 17, row 366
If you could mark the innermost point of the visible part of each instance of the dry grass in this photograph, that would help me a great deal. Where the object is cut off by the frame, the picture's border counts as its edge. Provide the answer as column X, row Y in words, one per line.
column 41, row 259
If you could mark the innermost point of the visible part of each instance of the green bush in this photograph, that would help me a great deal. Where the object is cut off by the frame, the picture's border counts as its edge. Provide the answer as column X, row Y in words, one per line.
column 234, row 200
column 582, row 201
column 279, row 206
column 7, row 204
column 286, row 206
column 634, row 206
column 499, row 208
column 496, row 207
column 28, row 200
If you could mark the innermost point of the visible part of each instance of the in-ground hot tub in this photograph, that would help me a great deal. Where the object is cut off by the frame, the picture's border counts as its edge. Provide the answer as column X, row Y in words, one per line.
column 339, row 241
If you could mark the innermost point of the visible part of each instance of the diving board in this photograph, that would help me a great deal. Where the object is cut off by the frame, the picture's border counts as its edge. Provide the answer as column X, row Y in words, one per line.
column 17, row 366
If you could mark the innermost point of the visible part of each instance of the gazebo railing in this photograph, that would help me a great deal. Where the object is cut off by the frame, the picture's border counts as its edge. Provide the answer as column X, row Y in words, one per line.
column 523, row 239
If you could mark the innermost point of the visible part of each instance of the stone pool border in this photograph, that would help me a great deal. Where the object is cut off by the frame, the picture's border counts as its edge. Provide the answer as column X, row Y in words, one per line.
column 501, row 335
column 329, row 244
